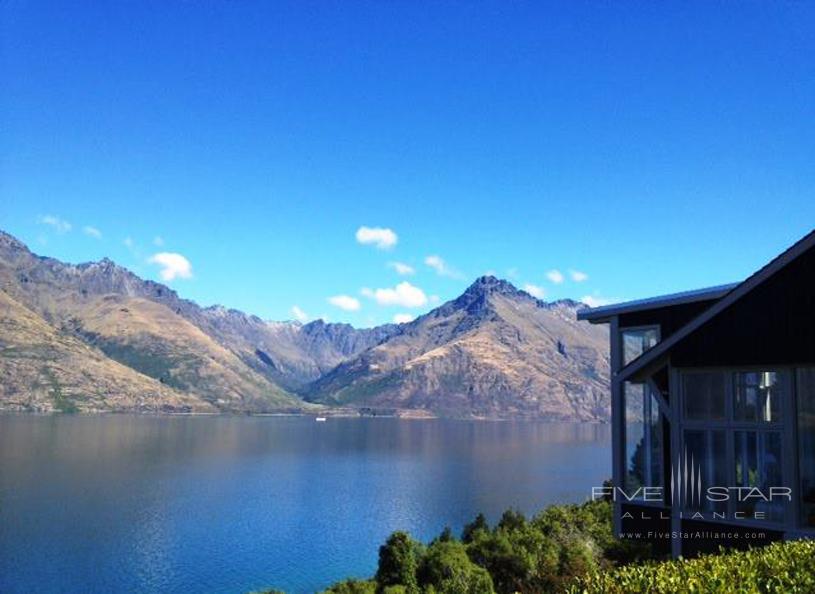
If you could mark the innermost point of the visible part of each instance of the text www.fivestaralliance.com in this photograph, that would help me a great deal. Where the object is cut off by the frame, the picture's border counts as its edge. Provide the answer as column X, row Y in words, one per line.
column 699, row 534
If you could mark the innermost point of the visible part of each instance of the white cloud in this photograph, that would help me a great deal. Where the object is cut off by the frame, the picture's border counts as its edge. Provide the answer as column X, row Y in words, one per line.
column 556, row 276
column 128, row 241
column 594, row 301
column 435, row 299
column 92, row 232
column 59, row 225
column 345, row 302
column 535, row 290
column 578, row 276
column 404, row 295
column 382, row 237
column 158, row 241
column 441, row 267
column 173, row 266
column 403, row 318
column 299, row 314
column 402, row 269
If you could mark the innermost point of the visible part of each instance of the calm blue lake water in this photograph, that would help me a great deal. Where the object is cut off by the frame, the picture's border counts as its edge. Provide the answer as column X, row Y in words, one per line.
column 230, row 504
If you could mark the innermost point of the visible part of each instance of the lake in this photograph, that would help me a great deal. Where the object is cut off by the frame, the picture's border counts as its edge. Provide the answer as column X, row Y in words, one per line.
column 231, row 504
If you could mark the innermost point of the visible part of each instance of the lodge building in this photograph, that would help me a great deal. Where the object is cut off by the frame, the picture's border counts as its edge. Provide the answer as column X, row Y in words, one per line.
column 713, row 410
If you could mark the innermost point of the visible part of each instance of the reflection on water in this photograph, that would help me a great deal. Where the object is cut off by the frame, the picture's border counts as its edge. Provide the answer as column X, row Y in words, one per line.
column 228, row 504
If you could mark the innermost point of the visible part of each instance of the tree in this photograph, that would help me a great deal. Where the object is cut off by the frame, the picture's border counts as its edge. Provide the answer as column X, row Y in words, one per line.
column 446, row 569
column 353, row 587
column 511, row 520
column 445, row 536
column 398, row 561
column 479, row 524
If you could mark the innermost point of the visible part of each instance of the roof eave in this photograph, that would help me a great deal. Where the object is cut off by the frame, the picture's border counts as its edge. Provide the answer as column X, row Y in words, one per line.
column 603, row 314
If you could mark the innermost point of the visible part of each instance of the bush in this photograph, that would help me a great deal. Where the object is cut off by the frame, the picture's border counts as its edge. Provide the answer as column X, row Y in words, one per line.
column 398, row 562
column 542, row 554
column 780, row 568
column 353, row 587
column 447, row 569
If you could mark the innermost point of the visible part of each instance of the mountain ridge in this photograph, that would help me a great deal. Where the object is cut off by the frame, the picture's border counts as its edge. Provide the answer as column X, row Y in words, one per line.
column 215, row 358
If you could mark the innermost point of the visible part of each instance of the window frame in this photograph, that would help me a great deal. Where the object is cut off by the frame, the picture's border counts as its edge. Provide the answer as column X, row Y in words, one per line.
column 787, row 427
column 648, row 405
column 621, row 339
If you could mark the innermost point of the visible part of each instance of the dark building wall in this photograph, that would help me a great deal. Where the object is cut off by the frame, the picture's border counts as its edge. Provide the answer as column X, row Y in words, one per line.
column 773, row 324
column 670, row 319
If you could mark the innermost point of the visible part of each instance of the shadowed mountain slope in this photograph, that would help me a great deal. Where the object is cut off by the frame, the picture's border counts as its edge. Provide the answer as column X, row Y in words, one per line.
column 493, row 352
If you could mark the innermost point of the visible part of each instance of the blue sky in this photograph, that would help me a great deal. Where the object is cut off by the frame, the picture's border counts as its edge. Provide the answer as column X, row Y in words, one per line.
column 653, row 147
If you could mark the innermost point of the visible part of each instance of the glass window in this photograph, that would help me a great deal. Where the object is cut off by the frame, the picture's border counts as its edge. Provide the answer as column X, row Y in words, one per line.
column 637, row 341
column 758, row 464
column 704, row 395
column 757, row 396
column 806, row 443
column 701, row 466
column 643, row 439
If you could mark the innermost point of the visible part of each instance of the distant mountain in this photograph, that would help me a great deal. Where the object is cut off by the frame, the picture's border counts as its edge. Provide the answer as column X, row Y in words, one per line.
column 224, row 359
column 97, row 337
column 495, row 352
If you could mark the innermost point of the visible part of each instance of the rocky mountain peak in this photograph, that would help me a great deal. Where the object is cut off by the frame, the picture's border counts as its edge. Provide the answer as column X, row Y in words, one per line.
column 490, row 285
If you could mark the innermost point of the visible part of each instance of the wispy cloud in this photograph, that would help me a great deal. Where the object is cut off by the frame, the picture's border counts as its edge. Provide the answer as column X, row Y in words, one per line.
column 555, row 276
column 595, row 301
column 381, row 237
column 345, row 302
column 57, row 224
column 403, row 318
column 402, row 269
column 92, row 232
column 404, row 295
column 441, row 267
column 535, row 290
column 172, row 265
column 158, row 241
column 299, row 314
column 578, row 276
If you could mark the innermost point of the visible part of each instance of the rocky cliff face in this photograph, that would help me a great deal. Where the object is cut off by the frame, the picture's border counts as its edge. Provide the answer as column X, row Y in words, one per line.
column 494, row 352
column 95, row 336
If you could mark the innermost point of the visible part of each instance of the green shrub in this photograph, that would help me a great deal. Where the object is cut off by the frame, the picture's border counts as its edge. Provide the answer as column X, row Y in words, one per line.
column 353, row 587
column 398, row 562
column 446, row 568
column 780, row 568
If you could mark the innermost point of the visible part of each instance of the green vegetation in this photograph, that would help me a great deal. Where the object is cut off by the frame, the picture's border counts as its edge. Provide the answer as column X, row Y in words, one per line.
column 150, row 360
column 780, row 568
column 570, row 549
column 61, row 402
column 542, row 554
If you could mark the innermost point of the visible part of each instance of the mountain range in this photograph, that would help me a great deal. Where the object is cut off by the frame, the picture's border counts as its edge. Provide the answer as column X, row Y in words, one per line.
column 95, row 337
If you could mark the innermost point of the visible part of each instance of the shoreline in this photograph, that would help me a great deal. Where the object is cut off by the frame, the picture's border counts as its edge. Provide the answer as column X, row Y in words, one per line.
column 407, row 415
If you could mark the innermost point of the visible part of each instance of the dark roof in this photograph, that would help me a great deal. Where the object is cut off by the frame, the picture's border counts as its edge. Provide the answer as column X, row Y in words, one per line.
column 648, row 357
column 599, row 315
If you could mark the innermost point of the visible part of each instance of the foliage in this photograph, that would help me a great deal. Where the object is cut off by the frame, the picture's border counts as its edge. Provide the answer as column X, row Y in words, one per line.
column 446, row 568
column 570, row 549
column 780, row 568
column 398, row 563
column 542, row 554
column 353, row 587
